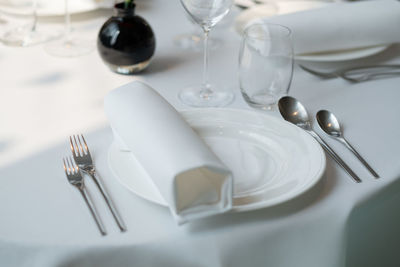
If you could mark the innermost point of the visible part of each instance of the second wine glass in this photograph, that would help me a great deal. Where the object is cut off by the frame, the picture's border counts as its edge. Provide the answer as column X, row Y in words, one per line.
column 28, row 35
column 69, row 46
column 206, row 13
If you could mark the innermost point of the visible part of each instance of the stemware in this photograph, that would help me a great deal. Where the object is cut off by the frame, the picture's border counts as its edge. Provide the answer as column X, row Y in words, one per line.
column 69, row 46
column 206, row 13
column 265, row 64
column 28, row 35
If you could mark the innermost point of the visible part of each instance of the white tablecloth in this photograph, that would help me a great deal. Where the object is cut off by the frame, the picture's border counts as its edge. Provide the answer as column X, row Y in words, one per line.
column 44, row 221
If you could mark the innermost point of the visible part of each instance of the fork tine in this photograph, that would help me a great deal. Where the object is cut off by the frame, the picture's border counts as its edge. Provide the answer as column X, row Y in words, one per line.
column 73, row 149
column 83, row 149
column 70, row 165
column 86, row 146
column 65, row 167
column 75, row 166
column 77, row 147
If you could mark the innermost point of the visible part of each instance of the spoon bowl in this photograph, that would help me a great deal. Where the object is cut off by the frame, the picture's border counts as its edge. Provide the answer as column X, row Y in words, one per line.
column 293, row 111
column 329, row 123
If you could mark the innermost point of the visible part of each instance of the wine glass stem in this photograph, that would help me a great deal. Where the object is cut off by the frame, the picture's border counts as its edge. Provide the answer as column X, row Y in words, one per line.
column 34, row 15
column 67, row 22
column 206, row 92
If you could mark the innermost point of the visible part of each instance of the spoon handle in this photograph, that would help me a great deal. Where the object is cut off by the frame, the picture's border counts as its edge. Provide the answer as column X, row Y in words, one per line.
column 352, row 149
column 335, row 157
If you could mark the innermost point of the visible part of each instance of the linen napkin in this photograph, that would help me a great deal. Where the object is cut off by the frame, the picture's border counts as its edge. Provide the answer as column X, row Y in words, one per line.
column 341, row 26
column 190, row 177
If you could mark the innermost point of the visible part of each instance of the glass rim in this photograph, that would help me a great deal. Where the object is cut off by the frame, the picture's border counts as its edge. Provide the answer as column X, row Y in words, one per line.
column 248, row 27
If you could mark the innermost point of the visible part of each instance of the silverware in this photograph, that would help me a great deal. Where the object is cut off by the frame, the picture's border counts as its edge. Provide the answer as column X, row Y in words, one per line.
column 293, row 111
column 83, row 159
column 330, row 125
column 75, row 178
column 359, row 74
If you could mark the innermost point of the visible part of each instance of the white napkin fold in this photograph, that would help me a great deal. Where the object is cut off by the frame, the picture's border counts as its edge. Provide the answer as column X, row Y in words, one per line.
column 342, row 26
column 192, row 180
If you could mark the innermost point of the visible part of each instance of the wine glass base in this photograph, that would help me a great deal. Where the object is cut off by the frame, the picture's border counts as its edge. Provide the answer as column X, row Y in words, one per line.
column 69, row 48
column 25, row 36
column 193, row 97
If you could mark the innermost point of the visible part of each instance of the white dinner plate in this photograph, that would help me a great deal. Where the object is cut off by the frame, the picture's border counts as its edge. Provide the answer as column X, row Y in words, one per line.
column 52, row 7
column 272, row 161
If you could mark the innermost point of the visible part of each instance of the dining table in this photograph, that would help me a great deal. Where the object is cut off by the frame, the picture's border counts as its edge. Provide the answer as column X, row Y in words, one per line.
column 45, row 99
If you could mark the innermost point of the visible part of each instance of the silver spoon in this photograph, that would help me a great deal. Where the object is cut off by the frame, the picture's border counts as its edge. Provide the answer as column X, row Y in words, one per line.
column 293, row 111
column 330, row 125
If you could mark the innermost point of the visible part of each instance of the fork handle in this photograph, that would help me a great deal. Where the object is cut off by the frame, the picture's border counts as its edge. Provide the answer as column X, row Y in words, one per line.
column 108, row 200
column 93, row 211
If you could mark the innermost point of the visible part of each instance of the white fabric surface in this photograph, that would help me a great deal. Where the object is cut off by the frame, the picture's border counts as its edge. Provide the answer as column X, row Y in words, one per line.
column 189, row 176
column 45, row 223
column 339, row 26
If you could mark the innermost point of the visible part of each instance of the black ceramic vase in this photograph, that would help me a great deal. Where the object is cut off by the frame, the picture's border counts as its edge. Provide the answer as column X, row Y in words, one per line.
column 126, row 42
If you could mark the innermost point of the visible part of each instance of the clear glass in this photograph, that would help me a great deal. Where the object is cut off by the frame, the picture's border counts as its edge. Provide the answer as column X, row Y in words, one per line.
column 69, row 45
column 28, row 35
column 194, row 40
column 265, row 64
column 206, row 13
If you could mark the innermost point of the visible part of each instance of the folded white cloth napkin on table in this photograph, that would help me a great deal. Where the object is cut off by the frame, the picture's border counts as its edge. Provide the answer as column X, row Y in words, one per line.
column 192, row 180
column 340, row 26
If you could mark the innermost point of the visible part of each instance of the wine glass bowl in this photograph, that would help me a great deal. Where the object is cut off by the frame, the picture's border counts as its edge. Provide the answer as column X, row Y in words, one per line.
column 207, row 13
column 194, row 40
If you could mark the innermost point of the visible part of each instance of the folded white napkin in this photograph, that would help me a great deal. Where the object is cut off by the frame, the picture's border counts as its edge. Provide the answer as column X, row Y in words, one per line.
column 192, row 180
column 341, row 26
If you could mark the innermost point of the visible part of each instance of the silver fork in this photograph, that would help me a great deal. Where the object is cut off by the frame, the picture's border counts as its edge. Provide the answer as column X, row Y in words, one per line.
column 75, row 178
column 359, row 74
column 82, row 157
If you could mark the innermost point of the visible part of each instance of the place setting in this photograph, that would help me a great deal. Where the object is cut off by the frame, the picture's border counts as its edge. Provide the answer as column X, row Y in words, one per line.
column 199, row 133
column 211, row 159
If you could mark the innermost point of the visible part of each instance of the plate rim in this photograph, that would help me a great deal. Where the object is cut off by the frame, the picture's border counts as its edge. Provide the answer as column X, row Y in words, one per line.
column 343, row 55
column 248, row 207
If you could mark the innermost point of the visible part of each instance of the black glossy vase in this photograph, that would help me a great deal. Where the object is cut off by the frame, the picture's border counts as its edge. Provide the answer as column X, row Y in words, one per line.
column 126, row 42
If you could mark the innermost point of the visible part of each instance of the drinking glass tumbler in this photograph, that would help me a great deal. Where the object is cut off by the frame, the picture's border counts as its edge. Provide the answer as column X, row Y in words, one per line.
column 265, row 64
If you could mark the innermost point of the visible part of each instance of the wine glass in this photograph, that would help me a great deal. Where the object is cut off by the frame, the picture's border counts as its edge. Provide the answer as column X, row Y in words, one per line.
column 69, row 46
column 28, row 35
column 206, row 13
column 265, row 64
